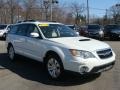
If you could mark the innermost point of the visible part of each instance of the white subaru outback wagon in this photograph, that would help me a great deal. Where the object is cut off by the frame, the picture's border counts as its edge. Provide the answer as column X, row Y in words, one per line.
column 59, row 48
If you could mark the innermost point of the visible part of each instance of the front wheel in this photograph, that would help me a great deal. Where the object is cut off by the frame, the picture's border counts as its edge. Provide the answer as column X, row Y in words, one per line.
column 4, row 36
column 54, row 66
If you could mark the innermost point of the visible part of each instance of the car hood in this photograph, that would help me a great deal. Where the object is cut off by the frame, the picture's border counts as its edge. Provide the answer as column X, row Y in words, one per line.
column 81, row 43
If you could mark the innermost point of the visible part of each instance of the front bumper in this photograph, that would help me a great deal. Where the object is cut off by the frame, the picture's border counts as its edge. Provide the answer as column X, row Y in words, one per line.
column 102, row 68
column 92, row 65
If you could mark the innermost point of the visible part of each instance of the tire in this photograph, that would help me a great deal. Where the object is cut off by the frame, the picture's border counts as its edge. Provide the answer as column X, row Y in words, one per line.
column 11, row 53
column 4, row 36
column 54, row 66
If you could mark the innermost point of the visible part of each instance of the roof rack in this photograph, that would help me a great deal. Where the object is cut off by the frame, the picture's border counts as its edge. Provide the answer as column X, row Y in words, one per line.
column 30, row 20
column 19, row 21
column 27, row 21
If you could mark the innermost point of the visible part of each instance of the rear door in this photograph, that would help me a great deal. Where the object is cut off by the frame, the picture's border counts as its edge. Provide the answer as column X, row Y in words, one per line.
column 20, row 38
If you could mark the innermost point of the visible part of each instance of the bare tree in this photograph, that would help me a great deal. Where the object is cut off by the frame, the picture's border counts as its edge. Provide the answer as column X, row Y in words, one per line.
column 77, row 11
column 29, row 6
column 11, row 5
column 69, row 18
column 2, row 12
column 15, row 10
column 40, row 10
column 114, row 12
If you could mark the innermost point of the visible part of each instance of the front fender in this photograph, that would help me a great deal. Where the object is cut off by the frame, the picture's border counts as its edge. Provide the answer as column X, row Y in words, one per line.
column 57, row 50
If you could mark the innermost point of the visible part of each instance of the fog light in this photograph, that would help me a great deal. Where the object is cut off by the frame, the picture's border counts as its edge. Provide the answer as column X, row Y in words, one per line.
column 84, row 69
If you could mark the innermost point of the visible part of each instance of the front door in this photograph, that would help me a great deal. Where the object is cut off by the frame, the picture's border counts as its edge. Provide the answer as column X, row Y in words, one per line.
column 34, row 46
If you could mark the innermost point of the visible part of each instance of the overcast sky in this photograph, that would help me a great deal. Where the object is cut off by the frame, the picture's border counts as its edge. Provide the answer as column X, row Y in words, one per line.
column 95, row 5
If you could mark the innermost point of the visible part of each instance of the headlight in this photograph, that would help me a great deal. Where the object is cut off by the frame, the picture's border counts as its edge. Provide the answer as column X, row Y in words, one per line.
column 101, row 32
column 82, row 54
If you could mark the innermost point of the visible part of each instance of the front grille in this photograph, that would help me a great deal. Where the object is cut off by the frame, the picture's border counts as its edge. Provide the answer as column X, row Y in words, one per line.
column 103, row 54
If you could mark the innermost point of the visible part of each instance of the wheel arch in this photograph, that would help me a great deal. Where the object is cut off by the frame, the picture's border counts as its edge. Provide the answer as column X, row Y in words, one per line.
column 51, row 52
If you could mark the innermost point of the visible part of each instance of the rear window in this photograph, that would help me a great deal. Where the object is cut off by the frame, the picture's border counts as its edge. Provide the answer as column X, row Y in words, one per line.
column 72, row 27
column 93, row 27
column 3, row 26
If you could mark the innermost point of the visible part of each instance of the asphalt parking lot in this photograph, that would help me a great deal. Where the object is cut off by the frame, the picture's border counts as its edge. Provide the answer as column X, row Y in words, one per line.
column 25, row 74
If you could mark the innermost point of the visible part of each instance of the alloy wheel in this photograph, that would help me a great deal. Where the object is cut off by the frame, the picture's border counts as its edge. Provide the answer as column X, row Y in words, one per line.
column 53, row 67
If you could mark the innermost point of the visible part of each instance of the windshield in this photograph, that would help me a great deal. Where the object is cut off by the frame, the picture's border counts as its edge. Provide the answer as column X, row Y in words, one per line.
column 57, row 30
column 2, row 26
column 93, row 27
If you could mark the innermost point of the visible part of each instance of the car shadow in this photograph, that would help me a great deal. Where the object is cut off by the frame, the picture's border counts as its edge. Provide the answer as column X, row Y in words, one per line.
column 34, row 71
column 2, row 39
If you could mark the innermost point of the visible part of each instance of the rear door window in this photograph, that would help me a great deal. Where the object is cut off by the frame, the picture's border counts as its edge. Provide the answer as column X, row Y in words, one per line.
column 22, row 30
column 13, row 29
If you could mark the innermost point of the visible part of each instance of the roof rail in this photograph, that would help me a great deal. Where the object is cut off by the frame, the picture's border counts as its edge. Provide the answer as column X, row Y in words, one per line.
column 30, row 20
column 27, row 21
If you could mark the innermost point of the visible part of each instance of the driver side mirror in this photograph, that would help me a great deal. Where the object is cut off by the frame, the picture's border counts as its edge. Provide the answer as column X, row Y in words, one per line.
column 34, row 35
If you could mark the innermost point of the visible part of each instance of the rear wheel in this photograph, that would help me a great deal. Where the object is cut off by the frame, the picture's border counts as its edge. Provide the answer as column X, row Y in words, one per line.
column 54, row 66
column 11, row 53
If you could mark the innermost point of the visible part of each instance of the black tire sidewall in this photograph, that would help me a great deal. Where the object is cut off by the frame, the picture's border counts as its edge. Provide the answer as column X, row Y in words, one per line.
column 14, row 53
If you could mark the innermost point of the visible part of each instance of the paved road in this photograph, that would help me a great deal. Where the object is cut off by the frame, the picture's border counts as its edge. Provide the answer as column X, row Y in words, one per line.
column 25, row 74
